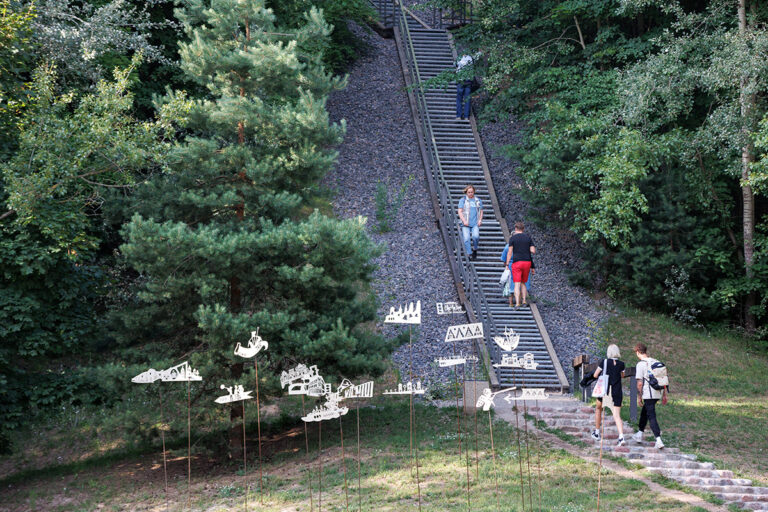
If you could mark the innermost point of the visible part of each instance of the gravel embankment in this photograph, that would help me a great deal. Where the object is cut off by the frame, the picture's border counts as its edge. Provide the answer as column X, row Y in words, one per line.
column 381, row 146
column 570, row 315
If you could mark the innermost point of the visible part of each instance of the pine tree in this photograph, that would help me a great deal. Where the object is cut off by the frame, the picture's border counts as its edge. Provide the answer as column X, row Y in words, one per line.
column 224, row 238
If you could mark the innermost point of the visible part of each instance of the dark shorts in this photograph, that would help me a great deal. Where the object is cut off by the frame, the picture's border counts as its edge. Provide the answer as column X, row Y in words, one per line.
column 616, row 395
column 520, row 271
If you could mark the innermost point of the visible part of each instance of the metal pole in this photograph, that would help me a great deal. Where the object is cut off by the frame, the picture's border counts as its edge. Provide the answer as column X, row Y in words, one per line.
column 245, row 460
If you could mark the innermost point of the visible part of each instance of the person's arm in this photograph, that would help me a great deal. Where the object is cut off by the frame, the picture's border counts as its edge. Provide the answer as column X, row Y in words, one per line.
column 598, row 372
column 509, row 256
column 480, row 215
column 532, row 249
column 639, row 386
column 461, row 213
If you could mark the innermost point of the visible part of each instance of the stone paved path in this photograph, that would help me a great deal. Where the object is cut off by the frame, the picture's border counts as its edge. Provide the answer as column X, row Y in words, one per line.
column 577, row 419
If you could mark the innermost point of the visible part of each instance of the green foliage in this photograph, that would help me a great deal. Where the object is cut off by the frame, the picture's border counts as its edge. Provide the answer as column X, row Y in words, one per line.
column 386, row 208
column 220, row 236
column 634, row 129
column 15, row 57
column 69, row 151
column 341, row 48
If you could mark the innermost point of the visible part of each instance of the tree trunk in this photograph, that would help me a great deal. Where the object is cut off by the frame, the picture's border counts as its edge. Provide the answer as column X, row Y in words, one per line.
column 747, row 105
column 236, row 412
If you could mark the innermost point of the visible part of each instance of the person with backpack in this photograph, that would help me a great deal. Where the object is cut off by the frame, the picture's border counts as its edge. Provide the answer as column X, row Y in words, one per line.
column 614, row 395
column 465, row 77
column 650, row 375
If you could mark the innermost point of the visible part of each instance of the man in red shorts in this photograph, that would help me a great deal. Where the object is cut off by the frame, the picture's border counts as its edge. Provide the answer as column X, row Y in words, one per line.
column 521, row 249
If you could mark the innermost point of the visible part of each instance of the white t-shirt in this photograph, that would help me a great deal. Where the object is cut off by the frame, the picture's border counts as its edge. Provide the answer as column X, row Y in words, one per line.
column 642, row 370
column 464, row 61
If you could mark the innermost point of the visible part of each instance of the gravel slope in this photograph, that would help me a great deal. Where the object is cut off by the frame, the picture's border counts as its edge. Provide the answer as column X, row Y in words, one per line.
column 381, row 145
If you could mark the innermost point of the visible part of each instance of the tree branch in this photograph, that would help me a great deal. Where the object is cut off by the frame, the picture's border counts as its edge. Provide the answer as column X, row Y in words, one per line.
column 7, row 214
column 581, row 37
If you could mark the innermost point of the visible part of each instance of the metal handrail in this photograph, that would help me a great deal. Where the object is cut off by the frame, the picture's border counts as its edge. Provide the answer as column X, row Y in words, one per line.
column 469, row 277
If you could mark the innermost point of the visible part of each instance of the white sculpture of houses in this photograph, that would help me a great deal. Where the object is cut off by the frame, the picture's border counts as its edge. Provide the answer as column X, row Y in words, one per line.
column 408, row 389
column 180, row 373
column 410, row 315
column 304, row 381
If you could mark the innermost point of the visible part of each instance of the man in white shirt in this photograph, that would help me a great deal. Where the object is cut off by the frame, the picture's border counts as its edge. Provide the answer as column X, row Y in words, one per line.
column 648, row 396
column 464, row 74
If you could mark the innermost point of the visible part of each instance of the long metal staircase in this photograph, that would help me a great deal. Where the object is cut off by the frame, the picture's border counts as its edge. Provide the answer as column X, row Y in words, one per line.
column 453, row 157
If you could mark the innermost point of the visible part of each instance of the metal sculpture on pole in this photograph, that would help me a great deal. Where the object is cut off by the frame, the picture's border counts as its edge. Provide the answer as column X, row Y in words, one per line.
column 410, row 315
column 255, row 345
column 236, row 393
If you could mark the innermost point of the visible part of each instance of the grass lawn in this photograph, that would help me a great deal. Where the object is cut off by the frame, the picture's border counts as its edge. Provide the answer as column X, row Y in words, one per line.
column 718, row 406
column 552, row 479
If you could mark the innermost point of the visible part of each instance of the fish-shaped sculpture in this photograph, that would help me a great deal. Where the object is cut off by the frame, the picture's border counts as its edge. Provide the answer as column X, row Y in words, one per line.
column 147, row 377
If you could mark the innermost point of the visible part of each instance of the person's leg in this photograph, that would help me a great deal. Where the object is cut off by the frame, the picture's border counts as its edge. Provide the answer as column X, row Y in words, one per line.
column 616, row 411
column 650, row 405
column 459, row 98
column 523, row 289
column 475, row 237
column 465, row 232
column 517, row 294
column 598, row 414
column 466, row 101
column 643, row 417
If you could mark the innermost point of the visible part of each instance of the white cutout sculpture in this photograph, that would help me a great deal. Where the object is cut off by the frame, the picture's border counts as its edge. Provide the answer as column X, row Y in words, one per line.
column 528, row 394
column 464, row 332
column 364, row 390
column 454, row 360
column 325, row 412
column 512, row 361
column 449, row 308
column 528, row 362
column 180, row 373
column 509, row 361
column 410, row 315
column 509, row 341
column 236, row 393
column 486, row 399
column 147, row 377
column 331, row 409
column 255, row 344
column 408, row 389
column 304, row 381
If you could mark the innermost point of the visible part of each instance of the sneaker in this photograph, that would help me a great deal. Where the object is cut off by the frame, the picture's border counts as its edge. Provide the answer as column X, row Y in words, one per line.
column 620, row 441
column 473, row 256
column 596, row 435
column 659, row 444
column 638, row 437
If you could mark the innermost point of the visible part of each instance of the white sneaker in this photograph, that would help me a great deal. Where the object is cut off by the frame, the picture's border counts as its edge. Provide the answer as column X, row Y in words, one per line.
column 596, row 435
column 638, row 436
column 659, row 444
column 620, row 441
